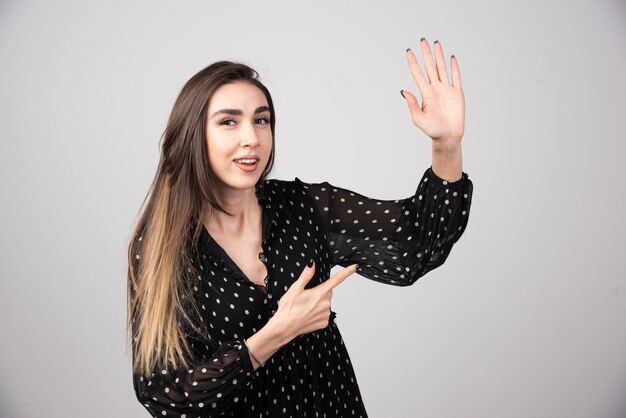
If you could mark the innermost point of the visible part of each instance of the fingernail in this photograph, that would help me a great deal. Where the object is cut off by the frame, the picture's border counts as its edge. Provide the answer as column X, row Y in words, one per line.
column 310, row 264
column 453, row 56
column 408, row 49
column 402, row 93
column 422, row 39
column 436, row 42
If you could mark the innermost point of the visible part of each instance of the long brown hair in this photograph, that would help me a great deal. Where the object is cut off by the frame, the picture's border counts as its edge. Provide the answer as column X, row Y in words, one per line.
column 162, row 311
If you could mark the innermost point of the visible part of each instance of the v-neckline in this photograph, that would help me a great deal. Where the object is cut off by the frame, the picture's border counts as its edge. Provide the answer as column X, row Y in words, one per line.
column 215, row 247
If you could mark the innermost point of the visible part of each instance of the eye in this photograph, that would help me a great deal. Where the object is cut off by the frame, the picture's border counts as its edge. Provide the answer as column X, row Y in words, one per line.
column 263, row 121
column 227, row 122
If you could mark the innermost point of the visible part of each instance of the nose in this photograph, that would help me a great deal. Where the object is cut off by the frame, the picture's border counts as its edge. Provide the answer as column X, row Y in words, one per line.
column 249, row 136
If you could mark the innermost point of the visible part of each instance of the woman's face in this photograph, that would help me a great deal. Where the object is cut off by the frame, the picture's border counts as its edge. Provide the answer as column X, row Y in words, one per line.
column 238, row 135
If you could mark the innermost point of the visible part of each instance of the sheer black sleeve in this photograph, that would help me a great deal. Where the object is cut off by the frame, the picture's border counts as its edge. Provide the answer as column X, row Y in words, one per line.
column 207, row 389
column 394, row 241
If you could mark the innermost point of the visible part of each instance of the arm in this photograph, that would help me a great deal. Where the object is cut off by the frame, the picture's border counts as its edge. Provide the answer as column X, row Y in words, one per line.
column 216, row 378
column 394, row 241
column 213, row 384
column 205, row 389
column 397, row 242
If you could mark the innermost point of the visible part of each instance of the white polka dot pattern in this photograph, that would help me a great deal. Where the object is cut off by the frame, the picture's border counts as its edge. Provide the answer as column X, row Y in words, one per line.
column 394, row 242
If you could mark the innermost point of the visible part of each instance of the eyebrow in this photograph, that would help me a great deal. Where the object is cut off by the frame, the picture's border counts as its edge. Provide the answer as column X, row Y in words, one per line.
column 237, row 112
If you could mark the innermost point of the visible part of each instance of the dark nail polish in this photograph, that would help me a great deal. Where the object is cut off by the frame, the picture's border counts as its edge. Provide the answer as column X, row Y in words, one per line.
column 453, row 56
column 402, row 93
column 310, row 264
column 422, row 39
column 436, row 42
column 408, row 49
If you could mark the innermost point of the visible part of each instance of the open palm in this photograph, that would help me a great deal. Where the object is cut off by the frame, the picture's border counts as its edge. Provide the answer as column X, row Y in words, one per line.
column 442, row 113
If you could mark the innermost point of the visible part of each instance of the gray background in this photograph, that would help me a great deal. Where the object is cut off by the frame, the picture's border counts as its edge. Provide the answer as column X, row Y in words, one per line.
column 525, row 319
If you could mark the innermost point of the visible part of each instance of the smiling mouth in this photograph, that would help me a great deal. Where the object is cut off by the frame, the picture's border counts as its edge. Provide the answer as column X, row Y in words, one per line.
column 246, row 161
column 247, row 164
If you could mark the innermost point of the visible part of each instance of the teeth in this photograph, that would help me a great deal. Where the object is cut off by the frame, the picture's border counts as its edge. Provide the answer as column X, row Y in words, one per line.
column 246, row 161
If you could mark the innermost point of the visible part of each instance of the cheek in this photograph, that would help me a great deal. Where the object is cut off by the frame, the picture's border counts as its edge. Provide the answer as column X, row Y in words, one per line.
column 268, row 140
column 215, row 158
column 218, row 148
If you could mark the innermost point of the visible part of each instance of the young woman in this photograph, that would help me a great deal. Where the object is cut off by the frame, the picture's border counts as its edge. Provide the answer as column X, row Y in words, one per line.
column 229, row 273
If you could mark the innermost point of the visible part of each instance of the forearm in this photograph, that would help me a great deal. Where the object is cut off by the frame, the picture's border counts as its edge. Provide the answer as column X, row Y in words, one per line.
column 447, row 159
column 214, row 380
column 265, row 342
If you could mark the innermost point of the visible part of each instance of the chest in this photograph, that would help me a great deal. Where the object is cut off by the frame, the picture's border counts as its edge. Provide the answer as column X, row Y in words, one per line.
column 244, row 253
column 234, row 300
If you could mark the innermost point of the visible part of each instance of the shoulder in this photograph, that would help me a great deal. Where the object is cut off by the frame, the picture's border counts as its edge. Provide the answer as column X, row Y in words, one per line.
column 291, row 193
column 276, row 187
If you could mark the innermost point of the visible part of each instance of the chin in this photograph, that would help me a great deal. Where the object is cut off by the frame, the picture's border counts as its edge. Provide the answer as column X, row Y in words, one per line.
column 243, row 184
column 238, row 181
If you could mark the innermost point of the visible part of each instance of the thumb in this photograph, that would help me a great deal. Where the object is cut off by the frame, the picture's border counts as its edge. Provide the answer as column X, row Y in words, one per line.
column 305, row 277
column 414, row 106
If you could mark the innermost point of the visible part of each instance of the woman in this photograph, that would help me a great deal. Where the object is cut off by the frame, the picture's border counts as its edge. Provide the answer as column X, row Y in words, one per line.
column 229, row 273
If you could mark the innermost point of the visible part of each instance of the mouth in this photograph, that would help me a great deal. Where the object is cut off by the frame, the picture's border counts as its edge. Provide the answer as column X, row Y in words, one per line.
column 247, row 161
column 247, row 164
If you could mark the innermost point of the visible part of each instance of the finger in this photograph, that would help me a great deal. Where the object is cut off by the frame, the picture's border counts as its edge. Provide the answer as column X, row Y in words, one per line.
column 305, row 277
column 429, row 62
column 442, row 71
column 414, row 106
column 456, row 73
column 336, row 279
column 416, row 71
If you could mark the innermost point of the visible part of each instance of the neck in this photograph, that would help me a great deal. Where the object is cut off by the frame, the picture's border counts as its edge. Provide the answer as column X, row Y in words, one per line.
column 244, row 208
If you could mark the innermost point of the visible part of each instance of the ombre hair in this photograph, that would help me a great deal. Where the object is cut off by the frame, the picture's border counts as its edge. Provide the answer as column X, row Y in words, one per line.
column 162, row 313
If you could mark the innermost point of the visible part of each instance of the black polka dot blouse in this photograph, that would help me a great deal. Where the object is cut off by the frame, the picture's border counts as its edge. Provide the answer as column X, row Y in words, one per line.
column 393, row 241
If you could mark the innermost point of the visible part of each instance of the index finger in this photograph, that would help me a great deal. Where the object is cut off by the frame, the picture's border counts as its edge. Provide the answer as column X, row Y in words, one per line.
column 416, row 71
column 337, row 278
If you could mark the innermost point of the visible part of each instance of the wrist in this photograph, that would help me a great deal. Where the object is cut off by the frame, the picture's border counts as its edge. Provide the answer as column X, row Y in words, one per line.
column 278, row 330
column 447, row 160
column 265, row 342
column 446, row 145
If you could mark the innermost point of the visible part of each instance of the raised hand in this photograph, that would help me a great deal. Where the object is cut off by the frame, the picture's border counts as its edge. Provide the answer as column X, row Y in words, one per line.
column 442, row 113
